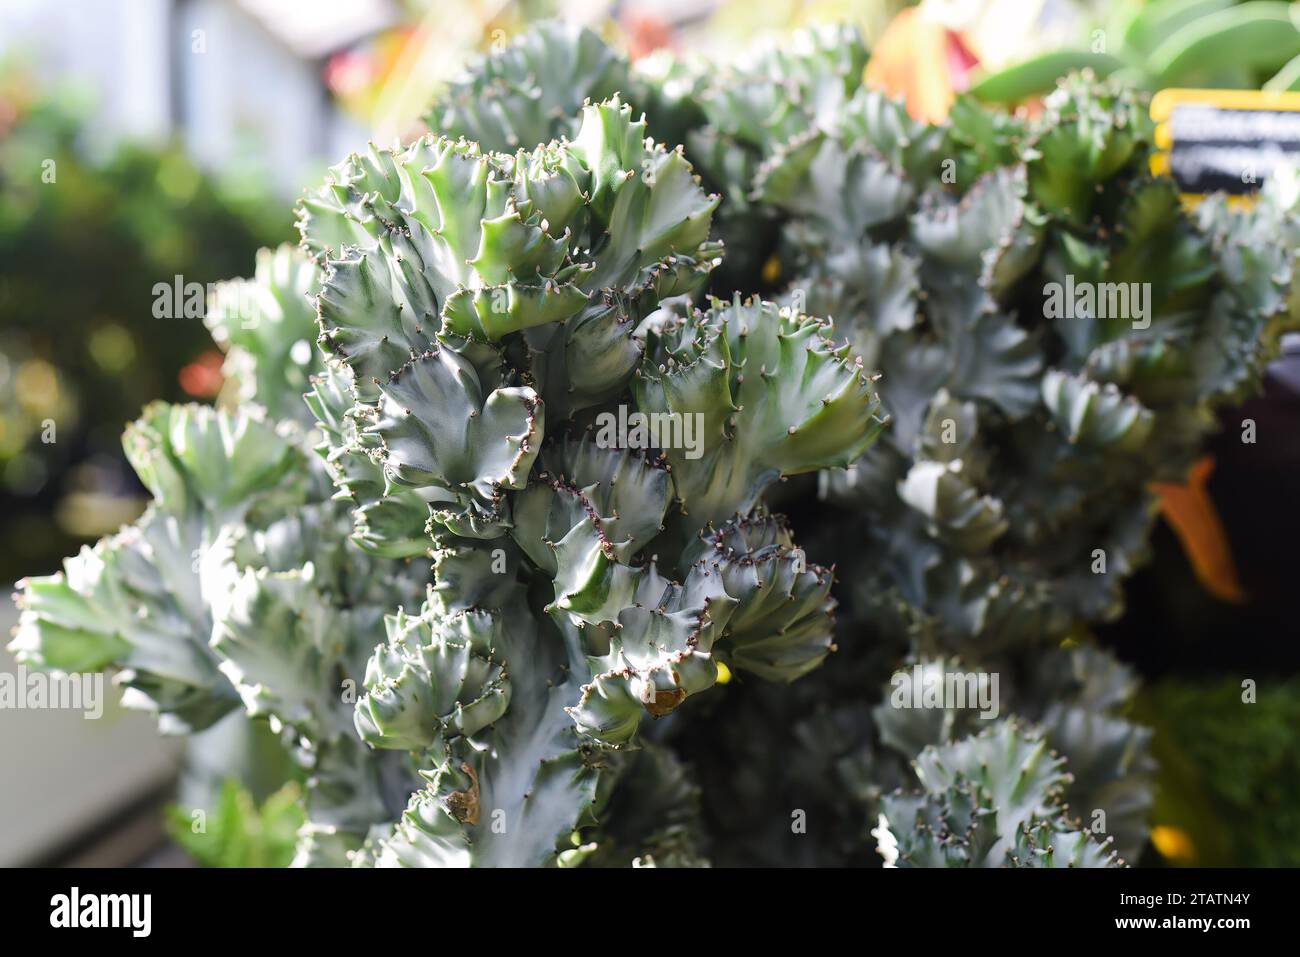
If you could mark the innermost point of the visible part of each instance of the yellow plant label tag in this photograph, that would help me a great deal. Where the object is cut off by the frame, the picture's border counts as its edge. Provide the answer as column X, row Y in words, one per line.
column 1224, row 140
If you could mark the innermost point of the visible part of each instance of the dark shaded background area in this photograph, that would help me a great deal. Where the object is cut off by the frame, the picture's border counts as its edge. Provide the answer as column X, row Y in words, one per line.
column 1172, row 624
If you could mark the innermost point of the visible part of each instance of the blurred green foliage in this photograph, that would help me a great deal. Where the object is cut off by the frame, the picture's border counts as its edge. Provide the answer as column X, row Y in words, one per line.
column 83, row 240
column 239, row 832
column 1229, row 770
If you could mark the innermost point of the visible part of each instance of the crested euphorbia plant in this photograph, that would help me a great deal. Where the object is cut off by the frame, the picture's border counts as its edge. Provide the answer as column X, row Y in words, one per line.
column 486, row 579
column 483, row 310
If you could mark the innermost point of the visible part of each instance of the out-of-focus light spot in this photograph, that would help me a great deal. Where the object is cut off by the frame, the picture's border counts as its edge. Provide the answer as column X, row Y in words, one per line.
column 37, row 385
column 300, row 353
column 1173, row 843
column 348, row 73
column 111, row 347
column 25, row 474
column 178, row 178
column 95, row 514
column 646, row 33
column 202, row 378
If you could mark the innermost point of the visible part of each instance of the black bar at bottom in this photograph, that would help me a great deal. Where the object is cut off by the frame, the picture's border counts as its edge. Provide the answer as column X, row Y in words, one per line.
column 568, row 908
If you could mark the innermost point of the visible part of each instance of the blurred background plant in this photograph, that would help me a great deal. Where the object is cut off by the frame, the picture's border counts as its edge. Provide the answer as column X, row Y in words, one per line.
column 239, row 832
column 1012, row 51
column 1229, row 792
column 82, row 242
column 238, row 800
